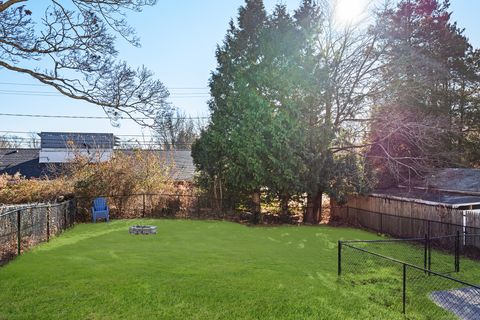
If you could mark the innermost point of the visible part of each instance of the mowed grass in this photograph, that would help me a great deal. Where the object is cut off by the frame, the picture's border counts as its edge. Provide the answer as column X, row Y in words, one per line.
column 195, row 270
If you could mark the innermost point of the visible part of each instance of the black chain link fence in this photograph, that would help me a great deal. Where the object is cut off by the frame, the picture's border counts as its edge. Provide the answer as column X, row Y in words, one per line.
column 401, row 276
column 381, row 278
column 440, row 296
column 26, row 226
column 413, row 251
column 188, row 206
column 439, row 254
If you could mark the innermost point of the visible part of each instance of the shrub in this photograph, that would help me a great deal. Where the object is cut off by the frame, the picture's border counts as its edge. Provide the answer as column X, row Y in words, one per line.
column 16, row 189
column 120, row 179
column 124, row 175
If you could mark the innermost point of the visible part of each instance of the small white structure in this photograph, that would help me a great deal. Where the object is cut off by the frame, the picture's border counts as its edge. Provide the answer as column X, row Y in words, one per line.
column 62, row 147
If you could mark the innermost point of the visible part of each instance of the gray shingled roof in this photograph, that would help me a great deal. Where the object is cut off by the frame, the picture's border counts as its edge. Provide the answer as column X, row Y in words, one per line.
column 458, row 179
column 449, row 199
column 452, row 187
column 25, row 161
column 61, row 140
column 183, row 167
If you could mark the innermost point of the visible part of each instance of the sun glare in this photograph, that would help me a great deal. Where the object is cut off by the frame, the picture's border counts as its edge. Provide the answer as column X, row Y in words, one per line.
column 350, row 12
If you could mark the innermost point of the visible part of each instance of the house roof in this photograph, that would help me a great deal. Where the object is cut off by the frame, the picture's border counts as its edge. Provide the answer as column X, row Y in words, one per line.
column 183, row 167
column 451, row 187
column 455, row 179
column 62, row 140
column 26, row 162
column 429, row 197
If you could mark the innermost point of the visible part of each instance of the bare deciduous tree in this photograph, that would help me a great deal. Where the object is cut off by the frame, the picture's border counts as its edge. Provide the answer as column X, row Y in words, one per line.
column 71, row 47
column 10, row 142
column 174, row 130
column 347, row 67
column 405, row 146
column 33, row 140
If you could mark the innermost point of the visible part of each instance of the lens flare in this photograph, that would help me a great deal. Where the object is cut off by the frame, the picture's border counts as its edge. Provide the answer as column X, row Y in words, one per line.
column 350, row 12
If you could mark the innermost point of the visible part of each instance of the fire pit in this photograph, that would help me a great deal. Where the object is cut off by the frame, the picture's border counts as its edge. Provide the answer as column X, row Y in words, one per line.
column 143, row 230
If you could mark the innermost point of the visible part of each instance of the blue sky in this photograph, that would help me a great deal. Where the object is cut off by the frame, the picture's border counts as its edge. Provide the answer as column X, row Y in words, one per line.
column 178, row 44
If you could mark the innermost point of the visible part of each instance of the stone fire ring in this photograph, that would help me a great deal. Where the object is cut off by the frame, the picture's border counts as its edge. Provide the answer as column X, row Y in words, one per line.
column 143, row 230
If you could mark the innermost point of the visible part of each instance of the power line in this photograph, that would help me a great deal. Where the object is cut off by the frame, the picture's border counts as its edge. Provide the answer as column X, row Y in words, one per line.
column 67, row 138
column 20, row 92
column 128, row 139
column 46, row 85
column 73, row 135
column 60, row 140
column 63, row 116
column 122, row 143
column 53, row 94
column 24, row 84
column 90, row 117
column 25, row 93
column 36, row 132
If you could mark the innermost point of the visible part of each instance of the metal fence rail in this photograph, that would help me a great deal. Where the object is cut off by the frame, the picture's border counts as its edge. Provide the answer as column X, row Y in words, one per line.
column 27, row 226
column 439, row 254
column 408, row 285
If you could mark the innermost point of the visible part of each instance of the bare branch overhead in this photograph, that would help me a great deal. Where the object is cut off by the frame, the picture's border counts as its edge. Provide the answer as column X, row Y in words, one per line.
column 72, row 49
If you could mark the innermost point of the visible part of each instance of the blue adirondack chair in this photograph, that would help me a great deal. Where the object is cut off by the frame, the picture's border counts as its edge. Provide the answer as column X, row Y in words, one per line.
column 100, row 209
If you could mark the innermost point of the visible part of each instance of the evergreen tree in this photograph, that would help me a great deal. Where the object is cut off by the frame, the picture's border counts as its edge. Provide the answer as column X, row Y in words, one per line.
column 236, row 110
column 278, row 111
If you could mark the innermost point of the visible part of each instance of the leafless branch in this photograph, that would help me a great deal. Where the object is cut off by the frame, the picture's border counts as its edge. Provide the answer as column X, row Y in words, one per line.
column 77, row 46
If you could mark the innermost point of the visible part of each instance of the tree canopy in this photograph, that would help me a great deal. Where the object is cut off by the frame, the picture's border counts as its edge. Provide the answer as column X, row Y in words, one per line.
column 302, row 107
column 277, row 108
column 426, row 115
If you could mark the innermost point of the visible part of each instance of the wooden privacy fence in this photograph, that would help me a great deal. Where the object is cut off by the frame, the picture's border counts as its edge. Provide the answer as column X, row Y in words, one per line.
column 402, row 219
column 472, row 218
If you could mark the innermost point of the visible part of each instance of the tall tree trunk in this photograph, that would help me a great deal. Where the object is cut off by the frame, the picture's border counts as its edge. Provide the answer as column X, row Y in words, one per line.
column 221, row 198
column 284, row 199
column 216, row 203
column 256, row 206
column 317, row 207
column 308, row 214
column 313, row 212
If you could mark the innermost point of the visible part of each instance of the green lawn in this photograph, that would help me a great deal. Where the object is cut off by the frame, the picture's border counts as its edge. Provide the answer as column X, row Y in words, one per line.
column 194, row 270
